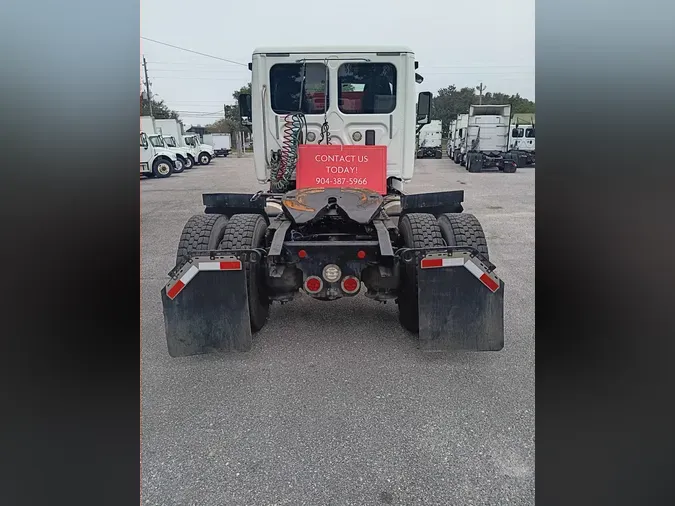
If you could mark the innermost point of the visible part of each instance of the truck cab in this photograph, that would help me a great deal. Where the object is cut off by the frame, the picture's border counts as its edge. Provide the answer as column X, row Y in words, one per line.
column 202, row 153
column 157, row 142
column 522, row 144
column 430, row 140
column 156, row 161
column 333, row 95
column 181, row 152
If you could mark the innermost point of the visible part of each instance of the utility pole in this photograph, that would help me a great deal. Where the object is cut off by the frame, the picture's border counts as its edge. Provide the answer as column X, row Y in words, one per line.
column 147, row 85
column 480, row 89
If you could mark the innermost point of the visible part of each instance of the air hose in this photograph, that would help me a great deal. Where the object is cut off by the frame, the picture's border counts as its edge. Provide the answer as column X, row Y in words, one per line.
column 282, row 168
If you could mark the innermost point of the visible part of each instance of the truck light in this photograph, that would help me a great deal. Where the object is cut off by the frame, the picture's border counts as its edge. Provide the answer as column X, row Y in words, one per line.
column 311, row 136
column 331, row 273
column 350, row 285
column 302, row 253
column 361, row 254
column 313, row 284
column 356, row 136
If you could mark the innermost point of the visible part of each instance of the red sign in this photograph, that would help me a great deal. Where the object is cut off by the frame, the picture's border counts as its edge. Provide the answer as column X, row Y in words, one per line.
column 338, row 166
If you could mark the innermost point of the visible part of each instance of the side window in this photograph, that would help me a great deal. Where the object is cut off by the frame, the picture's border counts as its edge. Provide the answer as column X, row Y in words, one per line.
column 529, row 133
column 460, row 133
column 367, row 88
column 517, row 132
column 144, row 140
column 288, row 94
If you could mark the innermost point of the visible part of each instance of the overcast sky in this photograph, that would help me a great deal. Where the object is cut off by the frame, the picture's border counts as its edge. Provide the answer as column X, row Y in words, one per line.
column 455, row 42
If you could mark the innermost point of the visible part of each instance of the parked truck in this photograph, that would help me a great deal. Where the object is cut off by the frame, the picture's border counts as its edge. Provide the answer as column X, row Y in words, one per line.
column 430, row 141
column 334, row 221
column 154, row 132
column 522, row 145
column 221, row 143
column 189, row 142
column 459, row 138
column 487, row 139
column 155, row 161
column 203, row 153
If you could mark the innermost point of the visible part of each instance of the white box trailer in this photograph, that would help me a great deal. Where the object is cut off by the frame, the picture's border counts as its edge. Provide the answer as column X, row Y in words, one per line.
column 221, row 143
column 430, row 140
column 487, row 138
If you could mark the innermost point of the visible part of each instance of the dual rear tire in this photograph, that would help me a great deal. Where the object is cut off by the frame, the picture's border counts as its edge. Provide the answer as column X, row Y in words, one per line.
column 421, row 230
column 210, row 232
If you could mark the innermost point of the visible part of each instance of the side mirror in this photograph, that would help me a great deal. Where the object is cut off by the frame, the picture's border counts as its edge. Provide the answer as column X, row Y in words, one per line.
column 424, row 108
column 245, row 106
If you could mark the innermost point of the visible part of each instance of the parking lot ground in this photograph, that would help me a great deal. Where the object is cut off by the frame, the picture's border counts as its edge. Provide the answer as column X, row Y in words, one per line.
column 335, row 404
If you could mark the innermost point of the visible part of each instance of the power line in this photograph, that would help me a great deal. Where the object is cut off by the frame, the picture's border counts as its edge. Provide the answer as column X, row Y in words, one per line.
column 195, row 52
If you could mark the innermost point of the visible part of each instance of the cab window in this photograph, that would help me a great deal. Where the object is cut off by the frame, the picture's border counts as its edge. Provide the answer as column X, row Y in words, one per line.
column 529, row 133
column 288, row 94
column 367, row 88
column 517, row 132
column 144, row 141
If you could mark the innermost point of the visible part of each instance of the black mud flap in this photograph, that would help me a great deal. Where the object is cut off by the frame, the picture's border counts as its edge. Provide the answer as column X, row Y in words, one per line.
column 461, row 304
column 206, row 307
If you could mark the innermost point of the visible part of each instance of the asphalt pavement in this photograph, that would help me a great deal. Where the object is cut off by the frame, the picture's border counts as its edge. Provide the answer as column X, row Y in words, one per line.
column 335, row 405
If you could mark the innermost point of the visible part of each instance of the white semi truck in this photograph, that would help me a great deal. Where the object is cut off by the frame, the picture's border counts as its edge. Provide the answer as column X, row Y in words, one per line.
column 155, row 160
column 328, row 226
column 459, row 137
column 521, row 144
column 429, row 140
column 221, row 143
column 487, row 139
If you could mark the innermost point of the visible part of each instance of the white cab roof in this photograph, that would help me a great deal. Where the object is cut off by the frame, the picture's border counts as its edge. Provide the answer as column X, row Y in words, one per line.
column 332, row 49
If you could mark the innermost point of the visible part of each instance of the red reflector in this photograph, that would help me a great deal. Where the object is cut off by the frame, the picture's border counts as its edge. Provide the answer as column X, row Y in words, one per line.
column 232, row 265
column 489, row 282
column 361, row 254
column 175, row 289
column 302, row 253
column 313, row 284
column 350, row 284
column 431, row 262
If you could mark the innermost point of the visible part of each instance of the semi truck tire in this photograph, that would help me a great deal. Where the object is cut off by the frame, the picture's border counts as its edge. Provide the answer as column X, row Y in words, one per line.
column 439, row 154
column 419, row 230
column 179, row 165
column 463, row 229
column 202, row 232
column 204, row 158
column 510, row 167
column 189, row 162
column 162, row 167
column 246, row 231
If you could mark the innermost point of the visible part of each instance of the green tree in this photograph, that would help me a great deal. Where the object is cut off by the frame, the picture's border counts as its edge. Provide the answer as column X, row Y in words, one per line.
column 450, row 102
column 159, row 109
column 231, row 121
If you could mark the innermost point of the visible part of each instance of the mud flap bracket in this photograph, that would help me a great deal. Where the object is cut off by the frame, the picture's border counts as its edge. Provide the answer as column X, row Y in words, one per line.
column 461, row 303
